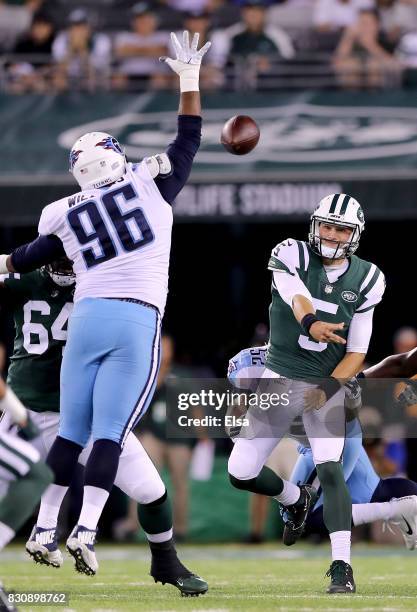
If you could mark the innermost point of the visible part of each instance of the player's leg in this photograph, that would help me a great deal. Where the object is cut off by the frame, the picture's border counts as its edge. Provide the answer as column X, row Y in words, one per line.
column 140, row 480
column 394, row 501
column 42, row 548
column 26, row 477
column 179, row 458
column 78, row 371
column 123, row 388
column 325, row 429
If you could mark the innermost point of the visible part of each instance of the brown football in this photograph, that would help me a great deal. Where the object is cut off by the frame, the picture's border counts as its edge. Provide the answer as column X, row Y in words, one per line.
column 240, row 135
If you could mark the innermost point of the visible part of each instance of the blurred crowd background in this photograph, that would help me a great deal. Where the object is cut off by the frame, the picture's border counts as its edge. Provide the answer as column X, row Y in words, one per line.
column 54, row 45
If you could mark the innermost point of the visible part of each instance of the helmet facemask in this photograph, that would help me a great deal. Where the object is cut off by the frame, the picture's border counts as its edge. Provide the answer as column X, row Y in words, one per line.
column 61, row 272
column 341, row 249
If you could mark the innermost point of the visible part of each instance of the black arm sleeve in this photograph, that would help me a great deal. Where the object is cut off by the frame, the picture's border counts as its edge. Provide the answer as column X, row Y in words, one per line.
column 43, row 250
column 181, row 153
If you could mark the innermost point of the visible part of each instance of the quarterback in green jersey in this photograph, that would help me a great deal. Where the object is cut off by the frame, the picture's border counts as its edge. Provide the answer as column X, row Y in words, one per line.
column 42, row 303
column 323, row 298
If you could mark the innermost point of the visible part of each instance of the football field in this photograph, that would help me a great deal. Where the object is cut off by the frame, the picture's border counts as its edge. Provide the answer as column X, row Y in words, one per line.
column 262, row 578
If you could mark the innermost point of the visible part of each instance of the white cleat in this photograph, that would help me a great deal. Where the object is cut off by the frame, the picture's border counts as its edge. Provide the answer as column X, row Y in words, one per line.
column 405, row 519
column 80, row 546
column 42, row 546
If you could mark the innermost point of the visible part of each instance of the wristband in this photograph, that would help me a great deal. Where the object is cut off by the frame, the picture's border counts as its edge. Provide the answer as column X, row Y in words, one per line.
column 189, row 80
column 3, row 264
column 307, row 321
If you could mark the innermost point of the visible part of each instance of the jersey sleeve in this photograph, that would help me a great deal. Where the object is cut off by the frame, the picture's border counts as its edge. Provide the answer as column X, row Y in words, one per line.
column 285, row 257
column 372, row 289
column 48, row 223
column 360, row 332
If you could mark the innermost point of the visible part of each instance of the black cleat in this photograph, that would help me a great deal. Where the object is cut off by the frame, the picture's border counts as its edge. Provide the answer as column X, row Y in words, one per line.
column 341, row 576
column 296, row 515
column 168, row 569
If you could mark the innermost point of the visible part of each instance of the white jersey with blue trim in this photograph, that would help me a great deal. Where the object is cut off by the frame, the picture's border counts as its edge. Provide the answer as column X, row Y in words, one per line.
column 119, row 238
column 246, row 366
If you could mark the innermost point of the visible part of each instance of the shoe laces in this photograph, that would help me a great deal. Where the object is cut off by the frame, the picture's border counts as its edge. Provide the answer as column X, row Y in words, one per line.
column 338, row 572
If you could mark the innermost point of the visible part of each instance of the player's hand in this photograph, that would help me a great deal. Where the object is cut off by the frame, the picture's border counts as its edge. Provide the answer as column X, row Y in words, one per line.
column 187, row 60
column 352, row 388
column 314, row 399
column 325, row 332
column 28, row 430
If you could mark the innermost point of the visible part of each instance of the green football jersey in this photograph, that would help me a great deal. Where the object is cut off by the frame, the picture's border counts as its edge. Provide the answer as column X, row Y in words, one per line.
column 40, row 310
column 291, row 352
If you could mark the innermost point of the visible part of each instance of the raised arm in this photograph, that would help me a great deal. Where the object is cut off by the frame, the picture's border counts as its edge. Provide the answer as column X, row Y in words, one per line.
column 182, row 150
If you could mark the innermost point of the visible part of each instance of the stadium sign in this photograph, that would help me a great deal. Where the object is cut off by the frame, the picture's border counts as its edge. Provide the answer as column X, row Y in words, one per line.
column 291, row 134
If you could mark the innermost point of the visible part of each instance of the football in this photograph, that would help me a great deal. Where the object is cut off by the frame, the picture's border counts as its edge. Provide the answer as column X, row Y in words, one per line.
column 240, row 135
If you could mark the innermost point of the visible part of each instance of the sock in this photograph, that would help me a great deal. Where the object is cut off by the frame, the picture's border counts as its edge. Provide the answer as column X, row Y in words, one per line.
column 266, row 483
column 340, row 541
column 62, row 459
column 156, row 519
column 94, row 500
column 159, row 538
column 290, row 494
column 337, row 504
column 23, row 495
column 50, row 506
column 100, row 473
column 6, row 534
column 102, row 464
column 367, row 513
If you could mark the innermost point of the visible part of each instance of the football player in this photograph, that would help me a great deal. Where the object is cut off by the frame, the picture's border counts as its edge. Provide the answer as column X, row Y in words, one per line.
column 41, row 302
column 117, row 231
column 23, row 476
column 393, row 500
column 323, row 298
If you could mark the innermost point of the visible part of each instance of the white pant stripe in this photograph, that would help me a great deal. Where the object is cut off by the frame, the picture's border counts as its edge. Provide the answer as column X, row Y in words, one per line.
column 154, row 372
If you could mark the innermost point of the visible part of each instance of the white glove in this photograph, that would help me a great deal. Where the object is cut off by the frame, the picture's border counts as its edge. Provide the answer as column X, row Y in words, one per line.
column 188, row 60
column 3, row 265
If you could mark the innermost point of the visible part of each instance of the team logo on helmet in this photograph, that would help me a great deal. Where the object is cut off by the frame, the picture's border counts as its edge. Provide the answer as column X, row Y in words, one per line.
column 73, row 157
column 111, row 144
column 360, row 214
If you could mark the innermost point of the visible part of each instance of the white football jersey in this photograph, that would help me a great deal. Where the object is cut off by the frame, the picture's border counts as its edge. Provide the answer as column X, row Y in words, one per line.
column 119, row 238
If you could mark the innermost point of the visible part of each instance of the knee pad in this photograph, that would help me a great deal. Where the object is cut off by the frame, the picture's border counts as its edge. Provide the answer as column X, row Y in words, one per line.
column 243, row 464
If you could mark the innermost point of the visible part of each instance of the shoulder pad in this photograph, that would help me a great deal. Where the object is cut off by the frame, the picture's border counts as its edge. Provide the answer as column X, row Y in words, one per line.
column 159, row 165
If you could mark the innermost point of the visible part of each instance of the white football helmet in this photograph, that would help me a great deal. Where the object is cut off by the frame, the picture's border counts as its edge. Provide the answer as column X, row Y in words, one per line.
column 96, row 160
column 338, row 209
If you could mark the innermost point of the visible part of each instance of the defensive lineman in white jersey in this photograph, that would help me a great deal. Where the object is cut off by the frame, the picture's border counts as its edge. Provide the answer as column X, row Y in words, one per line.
column 117, row 231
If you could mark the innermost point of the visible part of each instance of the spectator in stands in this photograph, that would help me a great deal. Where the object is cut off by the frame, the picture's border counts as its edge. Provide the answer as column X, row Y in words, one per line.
column 138, row 51
column 252, row 44
column 188, row 5
column 360, row 60
column 82, row 56
column 15, row 20
column 331, row 17
column 33, row 71
column 404, row 340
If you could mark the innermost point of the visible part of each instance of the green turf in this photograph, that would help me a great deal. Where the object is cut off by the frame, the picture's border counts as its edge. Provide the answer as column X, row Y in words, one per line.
column 241, row 578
